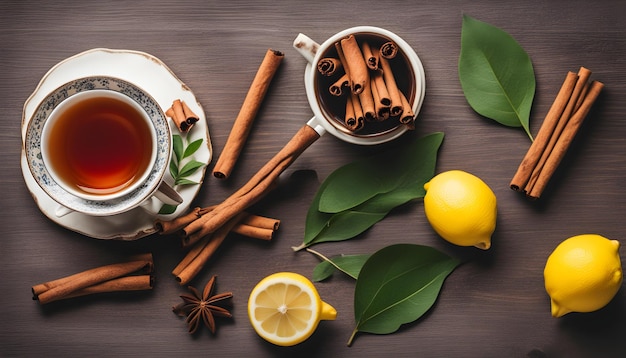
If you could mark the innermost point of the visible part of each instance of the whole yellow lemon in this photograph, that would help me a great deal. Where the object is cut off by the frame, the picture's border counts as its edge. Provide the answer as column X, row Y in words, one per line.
column 461, row 208
column 583, row 274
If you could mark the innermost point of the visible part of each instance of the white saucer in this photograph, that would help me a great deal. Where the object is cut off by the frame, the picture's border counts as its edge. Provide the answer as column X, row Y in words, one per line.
column 151, row 74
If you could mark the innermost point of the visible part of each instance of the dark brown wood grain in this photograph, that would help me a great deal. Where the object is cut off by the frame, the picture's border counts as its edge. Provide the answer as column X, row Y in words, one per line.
column 494, row 305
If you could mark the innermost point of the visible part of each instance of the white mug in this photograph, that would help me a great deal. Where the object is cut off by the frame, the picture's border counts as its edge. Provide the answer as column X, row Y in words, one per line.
column 323, row 121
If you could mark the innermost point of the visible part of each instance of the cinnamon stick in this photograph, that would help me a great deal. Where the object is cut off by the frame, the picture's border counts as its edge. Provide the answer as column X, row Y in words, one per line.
column 382, row 111
column 565, row 139
column 126, row 283
column 407, row 116
column 343, row 60
column 249, row 109
column 185, row 273
column 254, row 226
column 349, row 117
column 256, row 187
column 366, row 98
column 254, row 231
column 178, row 117
column 583, row 78
column 370, row 56
column 392, row 88
column 353, row 119
column 359, row 116
column 389, row 50
column 328, row 66
column 336, row 89
column 67, row 286
column 525, row 169
column 381, row 88
column 570, row 107
column 260, row 221
column 166, row 227
column 190, row 117
column 358, row 72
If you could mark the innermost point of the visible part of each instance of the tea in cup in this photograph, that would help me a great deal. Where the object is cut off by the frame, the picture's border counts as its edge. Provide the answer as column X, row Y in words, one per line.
column 100, row 146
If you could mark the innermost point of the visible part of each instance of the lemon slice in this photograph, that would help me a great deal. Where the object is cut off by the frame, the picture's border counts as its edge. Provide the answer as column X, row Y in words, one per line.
column 285, row 308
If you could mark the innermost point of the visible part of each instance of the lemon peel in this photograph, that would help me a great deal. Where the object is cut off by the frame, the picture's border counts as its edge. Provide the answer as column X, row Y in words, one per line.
column 285, row 308
column 461, row 208
column 583, row 274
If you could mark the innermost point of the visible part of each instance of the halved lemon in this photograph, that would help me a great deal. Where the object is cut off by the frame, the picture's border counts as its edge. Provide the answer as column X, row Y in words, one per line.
column 285, row 308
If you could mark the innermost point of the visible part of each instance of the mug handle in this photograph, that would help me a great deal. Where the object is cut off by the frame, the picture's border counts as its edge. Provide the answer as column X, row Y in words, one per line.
column 306, row 47
column 167, row 194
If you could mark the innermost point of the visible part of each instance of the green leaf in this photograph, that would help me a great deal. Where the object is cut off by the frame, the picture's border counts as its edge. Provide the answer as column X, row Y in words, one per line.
column 192, row 148
column 167, row 209
column 405, row 173
column 355, row 183
column 345, row 225
column 184, row 181
column 189, row 168
column 397, row 285
column 173, row 168
column 349, row 264
column 177, row 147
column 381, row 175
column 496, row 74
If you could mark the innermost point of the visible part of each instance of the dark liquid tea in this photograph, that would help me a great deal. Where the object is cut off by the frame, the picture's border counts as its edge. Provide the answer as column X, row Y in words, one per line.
column 335, row 106
column 100, row 145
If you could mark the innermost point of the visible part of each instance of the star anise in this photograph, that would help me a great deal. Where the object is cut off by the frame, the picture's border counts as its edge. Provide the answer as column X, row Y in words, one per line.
column 202, row 308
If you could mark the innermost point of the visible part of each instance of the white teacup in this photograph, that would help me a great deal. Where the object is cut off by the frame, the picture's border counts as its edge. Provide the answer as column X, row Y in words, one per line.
column 328, row 120
column 100, row 146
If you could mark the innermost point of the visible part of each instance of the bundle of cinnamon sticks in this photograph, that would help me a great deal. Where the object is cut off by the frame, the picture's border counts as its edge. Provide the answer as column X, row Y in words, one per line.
column 182, row 116
column 572, row 104
column 372, row 92
column 131, row 275
column 202, row 245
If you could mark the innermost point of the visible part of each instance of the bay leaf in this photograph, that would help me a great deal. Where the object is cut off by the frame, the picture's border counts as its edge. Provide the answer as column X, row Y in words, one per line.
column 397, row 285
column 359, row 181
column 349, row 264
column 178, row 147
column 413, row 167
column 496, row 74
column 191, row 167
column 192, row 147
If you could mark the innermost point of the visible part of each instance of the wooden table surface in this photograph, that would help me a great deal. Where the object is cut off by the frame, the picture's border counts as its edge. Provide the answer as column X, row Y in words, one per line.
column 495, row 305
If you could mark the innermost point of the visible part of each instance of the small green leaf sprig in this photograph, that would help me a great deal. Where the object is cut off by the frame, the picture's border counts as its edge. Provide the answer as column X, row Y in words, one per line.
column 181, row 152
column 182, row 165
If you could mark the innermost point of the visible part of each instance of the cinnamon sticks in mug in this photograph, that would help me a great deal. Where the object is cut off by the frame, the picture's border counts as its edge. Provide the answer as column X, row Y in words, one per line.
column 367, row 82
column 570, row 107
